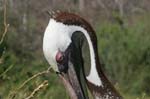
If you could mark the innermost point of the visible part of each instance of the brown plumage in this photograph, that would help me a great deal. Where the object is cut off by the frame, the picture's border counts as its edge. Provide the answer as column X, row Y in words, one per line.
column 107, row 91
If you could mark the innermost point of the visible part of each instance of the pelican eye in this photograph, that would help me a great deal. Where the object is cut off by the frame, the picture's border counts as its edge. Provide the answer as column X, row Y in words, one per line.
column 59, row 57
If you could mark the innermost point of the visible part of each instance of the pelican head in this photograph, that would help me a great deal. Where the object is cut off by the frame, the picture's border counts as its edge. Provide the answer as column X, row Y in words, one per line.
column 70, row 47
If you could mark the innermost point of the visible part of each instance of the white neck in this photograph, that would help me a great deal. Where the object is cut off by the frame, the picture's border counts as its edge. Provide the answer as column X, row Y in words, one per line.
column 93, row 76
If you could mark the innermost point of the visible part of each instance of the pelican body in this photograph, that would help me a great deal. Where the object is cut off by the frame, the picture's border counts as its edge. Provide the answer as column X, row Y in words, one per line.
column 70, row 47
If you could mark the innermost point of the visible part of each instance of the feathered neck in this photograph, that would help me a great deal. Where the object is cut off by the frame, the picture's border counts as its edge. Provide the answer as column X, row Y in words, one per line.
column 99, row 91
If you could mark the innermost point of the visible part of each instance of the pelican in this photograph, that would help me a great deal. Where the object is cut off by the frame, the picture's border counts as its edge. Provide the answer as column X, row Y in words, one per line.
column 70, row 47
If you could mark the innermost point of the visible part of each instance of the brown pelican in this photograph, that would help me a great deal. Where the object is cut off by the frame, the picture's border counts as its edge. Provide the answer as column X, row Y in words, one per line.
column 70, row 47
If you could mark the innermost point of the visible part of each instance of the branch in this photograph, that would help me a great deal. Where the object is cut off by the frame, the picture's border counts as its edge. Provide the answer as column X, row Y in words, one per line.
column 69, row 88
column 2, row 74
column 5, row 23
column 41, row 86
column 13, row 95
column 34, row 76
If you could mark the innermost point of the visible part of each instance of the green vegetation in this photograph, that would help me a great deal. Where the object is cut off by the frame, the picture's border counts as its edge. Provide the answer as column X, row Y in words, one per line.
column 126, row 54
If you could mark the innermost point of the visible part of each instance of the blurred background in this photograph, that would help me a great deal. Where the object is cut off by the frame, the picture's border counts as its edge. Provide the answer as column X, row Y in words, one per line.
column 123, row 31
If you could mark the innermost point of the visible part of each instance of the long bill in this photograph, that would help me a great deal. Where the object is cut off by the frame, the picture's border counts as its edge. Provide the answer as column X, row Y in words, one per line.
column 71, row 83
column 68, row 86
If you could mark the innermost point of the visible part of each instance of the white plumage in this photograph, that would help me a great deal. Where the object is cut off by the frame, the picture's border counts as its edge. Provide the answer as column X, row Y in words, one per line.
column 57, row 37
